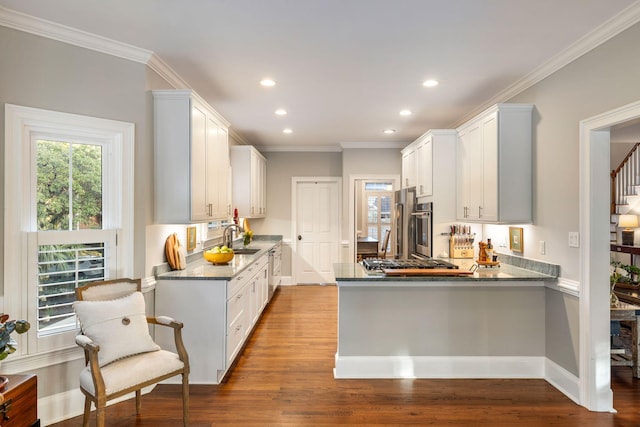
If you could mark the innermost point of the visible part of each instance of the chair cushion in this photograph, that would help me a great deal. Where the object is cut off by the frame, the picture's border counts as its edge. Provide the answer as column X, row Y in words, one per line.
column 118, row 326
column 133, row 370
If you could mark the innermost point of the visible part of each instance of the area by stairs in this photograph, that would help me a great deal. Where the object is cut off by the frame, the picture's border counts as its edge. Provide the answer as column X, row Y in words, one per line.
column 625, row 189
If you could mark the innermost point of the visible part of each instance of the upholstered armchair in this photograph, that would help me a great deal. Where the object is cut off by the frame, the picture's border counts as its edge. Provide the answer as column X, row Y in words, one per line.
column 120, row 355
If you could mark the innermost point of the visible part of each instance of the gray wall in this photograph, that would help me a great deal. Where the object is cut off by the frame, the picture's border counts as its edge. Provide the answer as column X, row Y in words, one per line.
column 603, row 79
column 281, row 167
column 42, row 73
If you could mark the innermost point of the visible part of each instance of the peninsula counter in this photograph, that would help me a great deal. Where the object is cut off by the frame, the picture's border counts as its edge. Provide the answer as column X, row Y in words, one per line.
column 487, row 325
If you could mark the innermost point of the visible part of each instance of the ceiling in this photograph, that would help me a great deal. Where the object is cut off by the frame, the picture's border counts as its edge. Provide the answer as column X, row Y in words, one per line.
column 344, row 68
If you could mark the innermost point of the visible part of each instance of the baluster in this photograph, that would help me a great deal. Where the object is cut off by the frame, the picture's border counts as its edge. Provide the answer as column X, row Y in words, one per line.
column 619, row 188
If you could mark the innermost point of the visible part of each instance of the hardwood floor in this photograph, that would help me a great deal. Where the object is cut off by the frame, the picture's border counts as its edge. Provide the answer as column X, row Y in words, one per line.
column 284, row 377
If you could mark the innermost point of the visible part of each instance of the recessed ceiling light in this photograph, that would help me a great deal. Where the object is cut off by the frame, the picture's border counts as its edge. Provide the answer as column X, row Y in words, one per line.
column 388, row 131
column 267, row 82
column 281, row 112
column 405, row 113
column 430, row 83
column 287, row 130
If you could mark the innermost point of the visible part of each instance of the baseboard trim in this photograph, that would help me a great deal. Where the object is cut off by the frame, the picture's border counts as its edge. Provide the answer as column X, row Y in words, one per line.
column 439, row 367
column 566, row 382
column 458, row 368
column 69, row 404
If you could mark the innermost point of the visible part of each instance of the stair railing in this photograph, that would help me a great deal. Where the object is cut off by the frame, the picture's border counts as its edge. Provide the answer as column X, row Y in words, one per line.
column 623, row 178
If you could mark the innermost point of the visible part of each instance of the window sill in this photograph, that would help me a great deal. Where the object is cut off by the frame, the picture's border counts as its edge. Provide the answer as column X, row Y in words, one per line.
column 27, row 363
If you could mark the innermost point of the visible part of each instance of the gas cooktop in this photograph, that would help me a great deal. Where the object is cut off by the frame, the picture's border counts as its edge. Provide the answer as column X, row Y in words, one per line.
column 379, row 264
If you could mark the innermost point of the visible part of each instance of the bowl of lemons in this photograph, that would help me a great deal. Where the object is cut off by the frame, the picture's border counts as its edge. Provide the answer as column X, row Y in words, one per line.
column 219, row 255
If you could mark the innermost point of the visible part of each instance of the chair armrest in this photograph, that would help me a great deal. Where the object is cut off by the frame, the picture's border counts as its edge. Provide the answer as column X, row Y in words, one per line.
column 91, row 350
column 164, row 321
column 87, row 344
column 177, row 335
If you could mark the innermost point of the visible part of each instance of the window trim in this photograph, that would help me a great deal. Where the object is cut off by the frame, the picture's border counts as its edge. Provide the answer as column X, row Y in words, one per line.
column 20, row 124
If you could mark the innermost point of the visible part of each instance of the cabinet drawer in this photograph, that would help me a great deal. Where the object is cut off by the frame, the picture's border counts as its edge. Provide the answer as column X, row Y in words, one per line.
column 235, row 336
column 235, row 307
column 235, row 284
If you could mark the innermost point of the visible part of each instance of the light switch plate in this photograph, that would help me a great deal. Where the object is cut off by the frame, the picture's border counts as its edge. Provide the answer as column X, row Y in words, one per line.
column 574, row 239
column 542, row 247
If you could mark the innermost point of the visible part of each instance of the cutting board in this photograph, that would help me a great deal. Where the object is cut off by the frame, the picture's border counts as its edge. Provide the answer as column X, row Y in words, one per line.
column 426, row 272
column 175, row 253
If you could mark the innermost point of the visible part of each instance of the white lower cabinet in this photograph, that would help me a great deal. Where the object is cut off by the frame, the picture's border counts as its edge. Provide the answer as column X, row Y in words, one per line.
column 218, row 316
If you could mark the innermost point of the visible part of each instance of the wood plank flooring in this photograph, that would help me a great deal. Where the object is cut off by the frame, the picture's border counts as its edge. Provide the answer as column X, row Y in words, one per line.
column 284, row 378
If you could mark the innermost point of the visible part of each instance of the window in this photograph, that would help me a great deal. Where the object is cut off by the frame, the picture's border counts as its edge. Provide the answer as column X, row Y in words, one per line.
column 68, row 216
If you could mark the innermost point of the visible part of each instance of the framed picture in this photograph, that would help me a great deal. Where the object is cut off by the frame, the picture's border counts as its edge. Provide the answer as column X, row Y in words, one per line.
column 191, row 238
column 515, row 239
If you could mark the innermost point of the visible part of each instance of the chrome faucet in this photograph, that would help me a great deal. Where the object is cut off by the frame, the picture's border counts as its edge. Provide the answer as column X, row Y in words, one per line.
column 227, row 234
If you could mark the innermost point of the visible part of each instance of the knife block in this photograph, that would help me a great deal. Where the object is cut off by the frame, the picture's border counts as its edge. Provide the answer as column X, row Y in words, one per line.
column 460, row 251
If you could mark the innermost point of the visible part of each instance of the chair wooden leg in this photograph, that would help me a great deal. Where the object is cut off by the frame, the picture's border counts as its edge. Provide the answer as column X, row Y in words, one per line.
column 185, row 399
column 87, row 412
column 138, row 402
column 100, row 414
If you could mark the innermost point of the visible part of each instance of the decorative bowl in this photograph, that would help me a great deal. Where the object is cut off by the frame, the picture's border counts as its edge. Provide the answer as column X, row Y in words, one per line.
column 218, row 259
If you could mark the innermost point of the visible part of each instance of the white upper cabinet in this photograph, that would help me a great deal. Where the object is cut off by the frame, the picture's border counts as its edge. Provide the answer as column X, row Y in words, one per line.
column 493, row 164
column 424, row 167
column 191, row 159
column 249, row 181
column 409, row 165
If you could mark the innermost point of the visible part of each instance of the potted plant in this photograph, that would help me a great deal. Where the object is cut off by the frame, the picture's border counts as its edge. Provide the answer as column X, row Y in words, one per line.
column 7, row 344
column 7, row 327
column 634, row 272
column 616, row 274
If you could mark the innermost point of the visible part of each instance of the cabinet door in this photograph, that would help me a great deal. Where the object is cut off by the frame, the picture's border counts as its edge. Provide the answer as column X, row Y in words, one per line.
column 489, row 205
column 424, row 168
column 219, row 171
column 255, row 184
column 409, row 169
column 199, row 206
column 474, row 166
column 263, row 187
column 469, row 172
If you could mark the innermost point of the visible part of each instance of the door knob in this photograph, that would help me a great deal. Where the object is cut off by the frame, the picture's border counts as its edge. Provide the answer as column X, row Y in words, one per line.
column 299, row 237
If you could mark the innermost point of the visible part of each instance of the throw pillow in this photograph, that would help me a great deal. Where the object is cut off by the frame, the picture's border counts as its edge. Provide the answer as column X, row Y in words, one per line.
column 118, row 326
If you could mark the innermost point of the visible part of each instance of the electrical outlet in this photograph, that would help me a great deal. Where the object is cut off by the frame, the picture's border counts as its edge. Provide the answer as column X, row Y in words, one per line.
column 574, row 239
column 542, row 247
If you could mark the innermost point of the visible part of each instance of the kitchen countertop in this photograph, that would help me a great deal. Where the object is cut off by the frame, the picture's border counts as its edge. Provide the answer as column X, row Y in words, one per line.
column 201, row 269
column 353, row 272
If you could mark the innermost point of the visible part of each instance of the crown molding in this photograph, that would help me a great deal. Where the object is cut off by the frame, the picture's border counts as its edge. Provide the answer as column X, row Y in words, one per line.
column 237, row 137
column 29, row 24
column 368, row 145
column 299, row 148
column 606, row 31
column 167, row 73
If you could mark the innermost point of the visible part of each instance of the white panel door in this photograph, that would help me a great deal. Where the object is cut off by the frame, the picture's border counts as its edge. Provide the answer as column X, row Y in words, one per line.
column 317, row 230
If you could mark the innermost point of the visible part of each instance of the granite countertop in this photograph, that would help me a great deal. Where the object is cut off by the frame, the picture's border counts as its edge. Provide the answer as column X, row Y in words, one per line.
column 353, row 272
column 201, row 269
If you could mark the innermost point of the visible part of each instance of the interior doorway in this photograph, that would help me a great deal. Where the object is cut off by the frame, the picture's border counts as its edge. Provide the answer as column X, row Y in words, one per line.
column 595, row 146
column 370, row 212
column 374, row 221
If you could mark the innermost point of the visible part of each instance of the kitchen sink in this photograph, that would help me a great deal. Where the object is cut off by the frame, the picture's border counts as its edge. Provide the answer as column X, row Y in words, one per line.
column 245, row 251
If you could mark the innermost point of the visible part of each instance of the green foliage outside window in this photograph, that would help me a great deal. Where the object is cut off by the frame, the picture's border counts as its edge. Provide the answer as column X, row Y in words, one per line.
column 69, row 186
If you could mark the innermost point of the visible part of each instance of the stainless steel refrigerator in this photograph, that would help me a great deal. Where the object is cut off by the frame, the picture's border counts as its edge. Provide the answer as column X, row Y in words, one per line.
column 405, row 201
